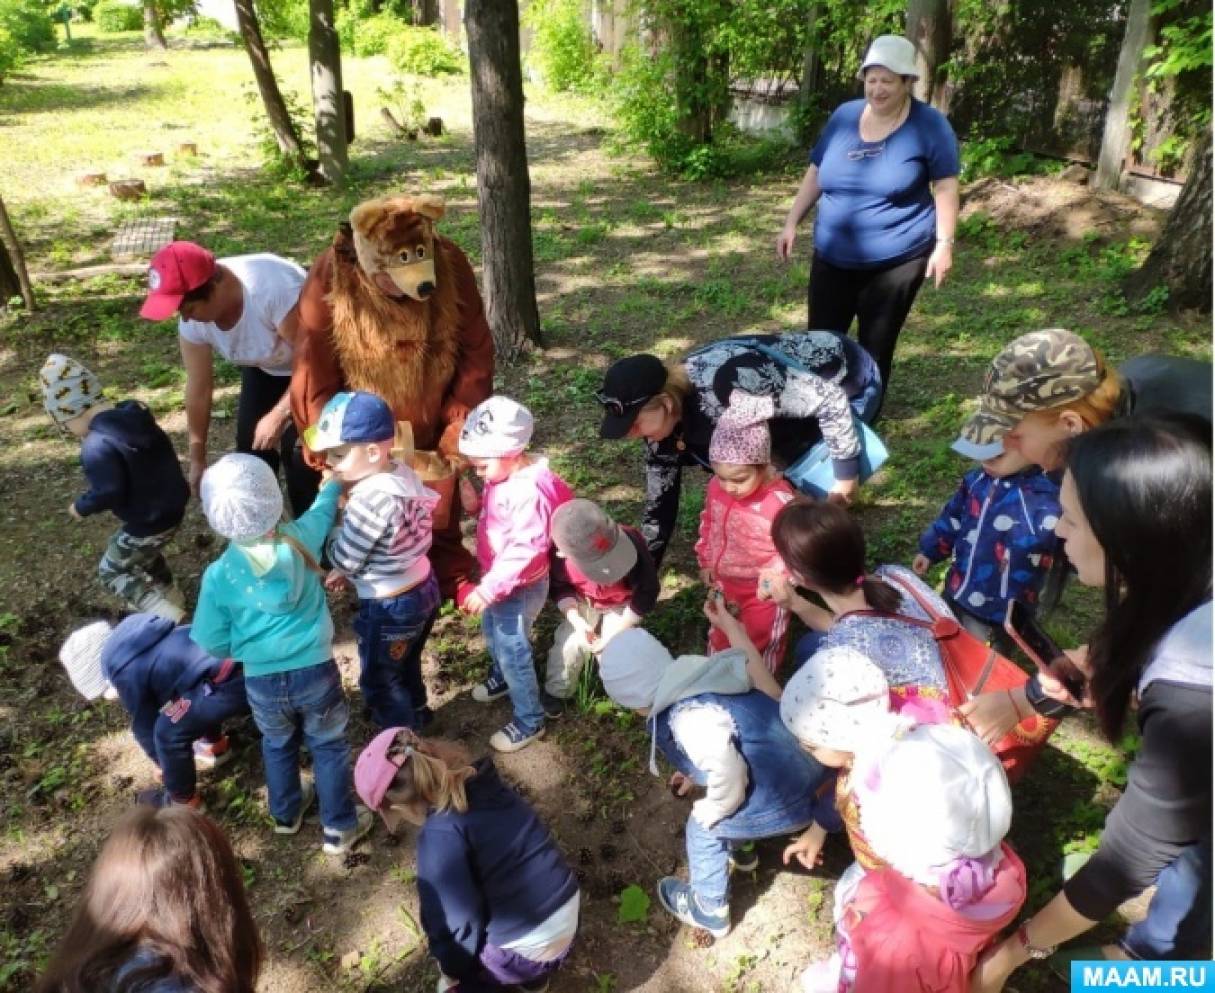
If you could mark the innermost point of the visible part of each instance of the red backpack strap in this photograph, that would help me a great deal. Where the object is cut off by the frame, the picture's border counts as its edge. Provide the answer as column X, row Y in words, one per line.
column 941, row 625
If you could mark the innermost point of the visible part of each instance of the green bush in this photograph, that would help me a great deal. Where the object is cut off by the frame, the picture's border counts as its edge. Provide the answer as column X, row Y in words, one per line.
column 562, row 48
column 368, row 35
column 423, row 52
column 28, row 29
column 286, row 19
column 10, row 55
column 112, row 16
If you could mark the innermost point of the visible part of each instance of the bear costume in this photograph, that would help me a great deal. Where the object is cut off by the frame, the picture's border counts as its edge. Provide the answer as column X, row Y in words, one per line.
column 392, row 307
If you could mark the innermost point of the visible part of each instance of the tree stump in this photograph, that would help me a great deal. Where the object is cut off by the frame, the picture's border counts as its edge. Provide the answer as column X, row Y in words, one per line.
column 150, row 158
column 91, row 179
column 434, row 127
column 187, row 149
column 128, row 189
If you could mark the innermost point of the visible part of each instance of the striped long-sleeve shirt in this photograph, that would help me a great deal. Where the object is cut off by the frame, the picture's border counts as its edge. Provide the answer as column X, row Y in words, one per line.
column 385, row 533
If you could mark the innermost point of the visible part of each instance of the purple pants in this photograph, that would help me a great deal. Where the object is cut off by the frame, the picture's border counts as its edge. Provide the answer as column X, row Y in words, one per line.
column 502, row 967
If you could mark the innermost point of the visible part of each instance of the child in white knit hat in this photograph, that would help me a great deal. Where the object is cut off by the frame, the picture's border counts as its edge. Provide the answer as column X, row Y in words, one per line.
column 926, row 808
column 513, row 541
column 734, row 546
column 262, row 603
column 133, row 472
column 176, row 695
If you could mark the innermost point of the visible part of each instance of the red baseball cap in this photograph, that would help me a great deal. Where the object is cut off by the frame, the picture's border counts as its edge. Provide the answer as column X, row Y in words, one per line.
column 176, row 269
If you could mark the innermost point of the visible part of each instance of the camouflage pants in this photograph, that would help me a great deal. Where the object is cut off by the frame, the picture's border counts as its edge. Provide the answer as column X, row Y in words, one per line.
column 133, row 568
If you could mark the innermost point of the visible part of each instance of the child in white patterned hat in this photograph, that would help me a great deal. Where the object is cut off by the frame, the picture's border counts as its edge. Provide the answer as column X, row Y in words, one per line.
column 735, row 543
column 133, row 472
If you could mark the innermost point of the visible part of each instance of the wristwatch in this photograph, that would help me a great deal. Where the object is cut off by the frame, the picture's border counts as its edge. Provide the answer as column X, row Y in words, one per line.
column 1047, row 706
column 1032, row 951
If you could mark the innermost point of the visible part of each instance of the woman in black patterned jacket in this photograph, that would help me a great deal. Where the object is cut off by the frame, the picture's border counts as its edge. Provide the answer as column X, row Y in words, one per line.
column 818, row 380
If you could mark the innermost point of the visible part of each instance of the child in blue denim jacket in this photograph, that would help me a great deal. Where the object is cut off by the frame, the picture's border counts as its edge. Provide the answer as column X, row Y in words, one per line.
column 262, row 603
column 381, row 547
column 1000, row 529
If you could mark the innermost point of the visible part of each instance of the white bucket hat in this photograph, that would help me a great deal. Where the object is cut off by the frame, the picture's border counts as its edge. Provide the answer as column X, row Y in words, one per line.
column 241, row 498
column 81, row 658
column 893, row 52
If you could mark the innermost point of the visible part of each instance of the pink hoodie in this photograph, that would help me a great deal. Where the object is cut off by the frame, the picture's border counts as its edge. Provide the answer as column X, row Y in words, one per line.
column 513, row 529
column 735, row 539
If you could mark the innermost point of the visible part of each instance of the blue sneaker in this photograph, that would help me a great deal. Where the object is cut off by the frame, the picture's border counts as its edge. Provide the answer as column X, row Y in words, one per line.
column 491, row 689
column 681, row 903
column 513, row 737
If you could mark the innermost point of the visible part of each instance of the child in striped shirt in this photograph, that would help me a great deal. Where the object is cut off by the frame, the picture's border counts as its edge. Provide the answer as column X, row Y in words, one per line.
column 381, row 546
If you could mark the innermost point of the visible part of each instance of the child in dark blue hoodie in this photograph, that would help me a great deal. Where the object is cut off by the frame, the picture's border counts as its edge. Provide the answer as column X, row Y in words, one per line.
column 132, row 471
column 173, row 691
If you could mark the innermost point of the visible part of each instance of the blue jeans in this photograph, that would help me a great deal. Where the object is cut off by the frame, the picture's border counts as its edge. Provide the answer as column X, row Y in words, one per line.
column 709, row 861
column 807, row 645
column 1178, row 922
column 391, row 634
column 305, row 706
column 209, row 707
column 507, row 626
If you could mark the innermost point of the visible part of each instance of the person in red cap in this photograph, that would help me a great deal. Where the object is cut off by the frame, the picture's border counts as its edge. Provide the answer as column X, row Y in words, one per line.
column 242, row 307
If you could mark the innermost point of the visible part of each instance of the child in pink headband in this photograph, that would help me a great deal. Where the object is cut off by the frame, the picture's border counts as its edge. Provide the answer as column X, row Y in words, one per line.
column 735, row 543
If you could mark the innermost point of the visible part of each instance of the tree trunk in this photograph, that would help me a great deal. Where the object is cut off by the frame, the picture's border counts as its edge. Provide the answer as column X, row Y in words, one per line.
column 153, row 34
column 425, row 12
column 272, row 99
column 930, row 28
column 14, row 278
column 325, row 57
column 503, row 182
column 1116, row 138
column 1181, row 258
column 451, row 20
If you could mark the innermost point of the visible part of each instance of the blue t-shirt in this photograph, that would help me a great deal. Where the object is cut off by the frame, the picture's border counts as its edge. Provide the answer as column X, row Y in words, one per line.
column 876, row 207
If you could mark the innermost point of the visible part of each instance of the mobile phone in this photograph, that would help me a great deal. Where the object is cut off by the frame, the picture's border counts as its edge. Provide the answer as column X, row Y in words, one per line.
column 1033, row 640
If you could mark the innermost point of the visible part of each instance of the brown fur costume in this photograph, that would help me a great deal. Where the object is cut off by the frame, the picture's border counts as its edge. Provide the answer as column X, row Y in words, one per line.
column 432, row 359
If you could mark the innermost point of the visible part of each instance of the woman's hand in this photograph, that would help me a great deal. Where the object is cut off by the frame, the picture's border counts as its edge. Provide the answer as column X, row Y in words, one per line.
column 1055, row 688
column 844, row 491
column 197, row 468
column 939, row 263
column 785, row 240
column 992, row 715
column 775, row 586
column 270, row 429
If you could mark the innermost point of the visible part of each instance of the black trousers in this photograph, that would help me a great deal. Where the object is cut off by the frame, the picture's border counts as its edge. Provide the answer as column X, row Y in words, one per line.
column 259, row 392
column 879, row 299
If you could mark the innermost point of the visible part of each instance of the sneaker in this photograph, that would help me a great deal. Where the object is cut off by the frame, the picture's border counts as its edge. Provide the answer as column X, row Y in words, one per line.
column 535, row 986
column 554, row 706
column 168, row 610
column 212, row 754
column 744, row 858
column 512, row 737
column 160, row 797
column 491, row 689
column 307, row 796
column 681, row 903
column 340, row 842
column 174, row 595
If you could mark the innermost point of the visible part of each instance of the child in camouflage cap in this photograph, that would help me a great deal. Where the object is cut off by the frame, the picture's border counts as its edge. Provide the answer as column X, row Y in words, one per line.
column 133, row 472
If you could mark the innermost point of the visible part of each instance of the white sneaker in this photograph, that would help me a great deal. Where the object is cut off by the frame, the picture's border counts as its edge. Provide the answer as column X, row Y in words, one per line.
column 340, row 842
column 512, row 738
column 168, row 610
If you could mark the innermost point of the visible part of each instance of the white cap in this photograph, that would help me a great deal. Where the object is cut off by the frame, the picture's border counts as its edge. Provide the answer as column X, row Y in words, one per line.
column 81, row 657
column 496, row 429
column 893, row 52
column 241, row 498
column 936, row 795
column 836, row 700
column 632, row 666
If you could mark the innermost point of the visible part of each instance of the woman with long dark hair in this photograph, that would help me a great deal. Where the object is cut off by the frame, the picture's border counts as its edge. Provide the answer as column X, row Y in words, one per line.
column 1137, row 522
column 165, row 911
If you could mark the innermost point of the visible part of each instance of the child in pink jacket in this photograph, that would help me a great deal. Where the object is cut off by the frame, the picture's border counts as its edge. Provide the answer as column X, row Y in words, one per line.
column 513, row 541
column 735, row 543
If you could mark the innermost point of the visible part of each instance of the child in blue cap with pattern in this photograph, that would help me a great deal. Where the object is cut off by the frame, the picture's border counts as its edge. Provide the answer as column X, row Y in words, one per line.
column 382, row 548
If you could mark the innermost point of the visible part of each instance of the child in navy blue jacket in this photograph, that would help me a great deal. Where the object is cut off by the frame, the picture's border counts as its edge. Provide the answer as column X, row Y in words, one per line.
column 499, row 903
column 1000, row 529
column 132, row 472
column 176, row 695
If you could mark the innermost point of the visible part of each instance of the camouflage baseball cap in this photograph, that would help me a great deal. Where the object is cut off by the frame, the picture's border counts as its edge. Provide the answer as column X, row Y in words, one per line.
column 1039, row 370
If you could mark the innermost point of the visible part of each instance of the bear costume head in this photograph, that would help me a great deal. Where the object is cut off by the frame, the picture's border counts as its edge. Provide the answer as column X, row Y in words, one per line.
column 394, row 239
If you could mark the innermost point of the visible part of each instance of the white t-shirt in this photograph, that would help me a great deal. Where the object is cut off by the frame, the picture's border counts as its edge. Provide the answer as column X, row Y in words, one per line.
column 272, row 287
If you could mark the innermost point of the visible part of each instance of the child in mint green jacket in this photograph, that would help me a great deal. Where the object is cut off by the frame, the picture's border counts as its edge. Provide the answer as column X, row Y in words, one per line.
column 262, row 603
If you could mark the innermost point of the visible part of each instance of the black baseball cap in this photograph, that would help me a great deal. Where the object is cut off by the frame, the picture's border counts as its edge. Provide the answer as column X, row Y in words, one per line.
column 627, row 386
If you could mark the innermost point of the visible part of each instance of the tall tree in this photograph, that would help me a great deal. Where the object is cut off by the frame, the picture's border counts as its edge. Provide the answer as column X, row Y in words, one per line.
column 1116, row 137
column 930, row 27
column 503, row 182
column 14, row 279
column 1181, row 257
column 153, row 32
column 285, row 134
column 325, row 56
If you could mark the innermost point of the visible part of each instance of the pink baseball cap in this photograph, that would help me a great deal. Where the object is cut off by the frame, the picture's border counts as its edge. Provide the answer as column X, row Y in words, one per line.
column 178, row 268
column 375, row 770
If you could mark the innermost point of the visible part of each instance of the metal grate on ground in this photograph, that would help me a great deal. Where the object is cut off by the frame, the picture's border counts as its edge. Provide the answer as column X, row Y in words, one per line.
column 142, row 238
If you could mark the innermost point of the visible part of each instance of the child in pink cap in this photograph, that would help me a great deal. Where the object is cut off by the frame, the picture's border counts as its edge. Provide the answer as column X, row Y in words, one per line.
column 500, row 905
column 735, row 543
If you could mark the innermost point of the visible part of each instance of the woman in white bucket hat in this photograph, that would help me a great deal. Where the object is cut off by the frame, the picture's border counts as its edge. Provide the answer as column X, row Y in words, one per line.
column 884, row 174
